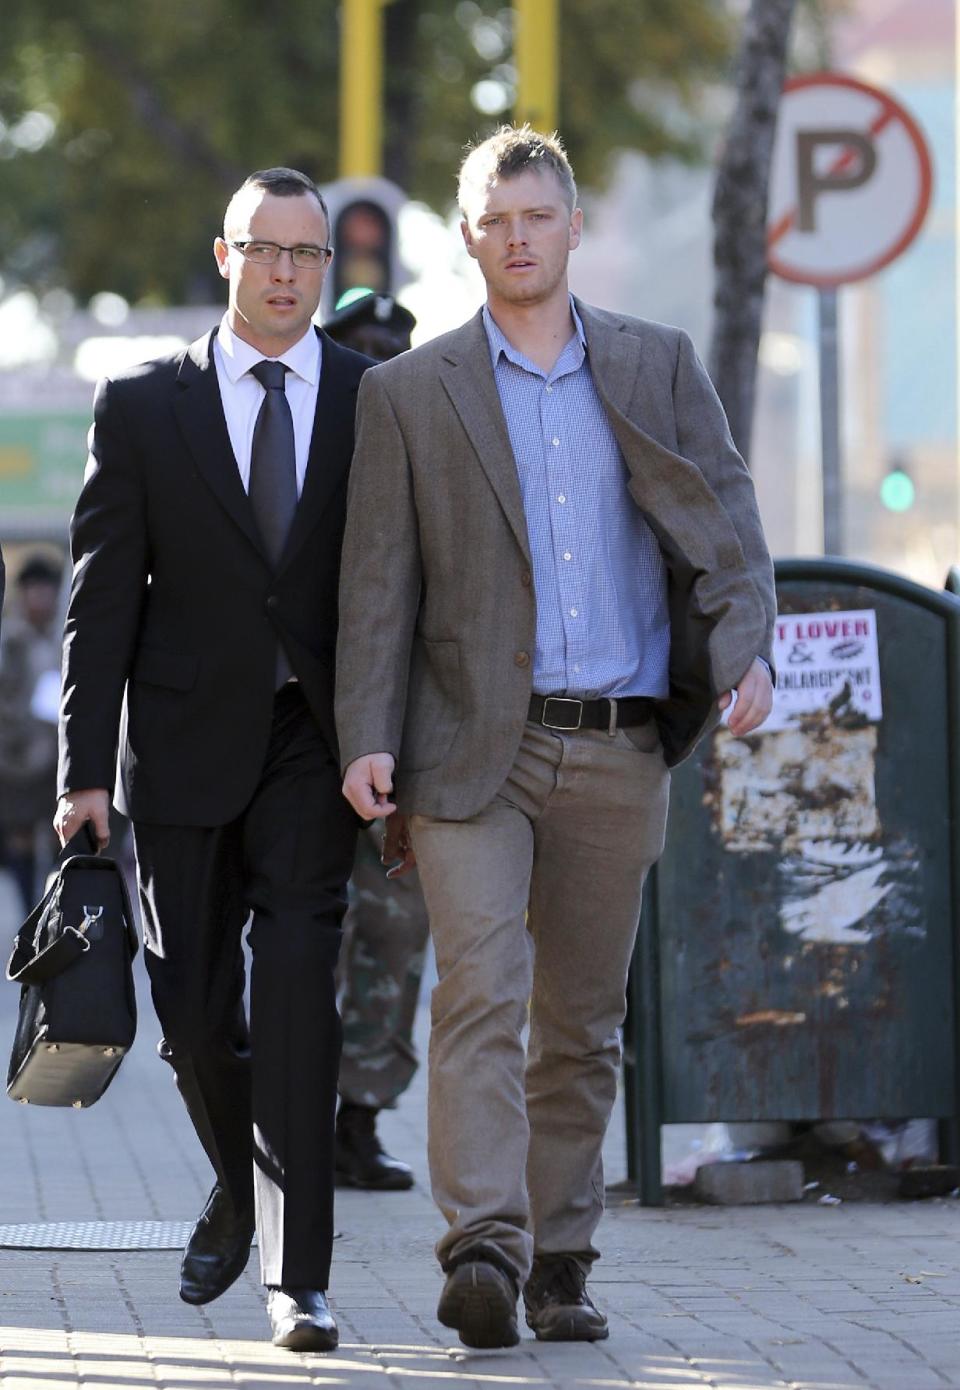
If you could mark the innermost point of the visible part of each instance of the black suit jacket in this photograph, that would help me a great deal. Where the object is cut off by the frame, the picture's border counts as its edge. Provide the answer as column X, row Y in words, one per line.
column 174, row 602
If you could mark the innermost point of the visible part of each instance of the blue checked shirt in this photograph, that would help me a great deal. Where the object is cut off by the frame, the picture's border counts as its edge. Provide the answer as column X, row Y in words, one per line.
column 603, row 626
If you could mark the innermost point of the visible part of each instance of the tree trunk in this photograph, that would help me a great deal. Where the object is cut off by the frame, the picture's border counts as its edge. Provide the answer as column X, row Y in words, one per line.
column 740, row 212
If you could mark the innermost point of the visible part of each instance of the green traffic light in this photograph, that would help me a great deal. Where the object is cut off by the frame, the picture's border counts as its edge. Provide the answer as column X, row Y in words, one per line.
column 897, row 492
column 351, row 296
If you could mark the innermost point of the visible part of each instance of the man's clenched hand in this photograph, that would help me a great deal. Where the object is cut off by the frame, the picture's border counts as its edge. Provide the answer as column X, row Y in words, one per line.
column 754, row 699
column 74, row 808
column 368, row 783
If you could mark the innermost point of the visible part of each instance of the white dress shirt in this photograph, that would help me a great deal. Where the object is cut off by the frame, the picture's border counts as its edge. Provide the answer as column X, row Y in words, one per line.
column 242, row 395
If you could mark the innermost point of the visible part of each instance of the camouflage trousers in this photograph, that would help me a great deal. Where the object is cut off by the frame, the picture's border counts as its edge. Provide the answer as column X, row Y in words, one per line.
column 381, row 964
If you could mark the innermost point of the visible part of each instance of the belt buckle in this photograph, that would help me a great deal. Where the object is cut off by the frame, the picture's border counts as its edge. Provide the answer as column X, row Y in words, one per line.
column 545, row 718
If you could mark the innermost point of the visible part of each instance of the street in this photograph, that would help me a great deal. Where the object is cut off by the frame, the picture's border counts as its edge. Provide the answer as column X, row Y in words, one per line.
column 855, row 1295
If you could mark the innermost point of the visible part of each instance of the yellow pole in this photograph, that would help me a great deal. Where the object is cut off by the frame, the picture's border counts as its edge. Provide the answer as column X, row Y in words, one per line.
column 536, row 52
column 361, row 88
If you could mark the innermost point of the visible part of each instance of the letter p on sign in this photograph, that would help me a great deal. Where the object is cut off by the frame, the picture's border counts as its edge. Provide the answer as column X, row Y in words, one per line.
column 855, row 159
column 850, row 183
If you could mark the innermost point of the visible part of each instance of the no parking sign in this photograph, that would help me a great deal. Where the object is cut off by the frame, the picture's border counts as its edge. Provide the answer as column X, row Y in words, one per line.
column 849, row 189
column 850, row 183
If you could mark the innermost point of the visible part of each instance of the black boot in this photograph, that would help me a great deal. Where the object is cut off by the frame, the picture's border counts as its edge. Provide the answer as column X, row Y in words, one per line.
column 360, row 1159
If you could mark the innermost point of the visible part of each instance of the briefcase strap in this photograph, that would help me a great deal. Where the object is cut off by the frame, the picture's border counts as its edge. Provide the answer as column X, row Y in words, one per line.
column 27, row 969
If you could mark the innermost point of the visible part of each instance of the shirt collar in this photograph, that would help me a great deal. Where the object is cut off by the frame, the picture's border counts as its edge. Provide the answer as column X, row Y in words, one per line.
column 238, row 356
column 501, row 344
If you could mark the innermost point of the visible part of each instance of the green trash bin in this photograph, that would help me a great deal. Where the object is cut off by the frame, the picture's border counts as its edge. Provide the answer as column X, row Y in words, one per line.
column 797, row 953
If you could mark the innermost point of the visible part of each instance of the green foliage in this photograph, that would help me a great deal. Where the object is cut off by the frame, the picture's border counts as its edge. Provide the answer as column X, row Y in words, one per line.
column 161, row 108
column 154, row 112
column 633, row 76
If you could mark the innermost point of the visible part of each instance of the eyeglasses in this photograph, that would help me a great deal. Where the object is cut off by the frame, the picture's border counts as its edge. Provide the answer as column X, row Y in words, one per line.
column 268, row 253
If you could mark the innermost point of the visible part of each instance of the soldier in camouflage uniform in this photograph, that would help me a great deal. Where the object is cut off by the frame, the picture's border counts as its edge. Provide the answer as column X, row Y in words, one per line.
column 384, row 949
column 386, row 924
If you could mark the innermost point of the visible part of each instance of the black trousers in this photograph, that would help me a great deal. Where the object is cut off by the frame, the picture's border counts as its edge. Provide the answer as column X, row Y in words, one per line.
column 261, row 1095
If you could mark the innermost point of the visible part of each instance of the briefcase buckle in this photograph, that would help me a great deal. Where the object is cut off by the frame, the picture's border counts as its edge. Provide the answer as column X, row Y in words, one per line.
column 566, row 720
column 91, row 916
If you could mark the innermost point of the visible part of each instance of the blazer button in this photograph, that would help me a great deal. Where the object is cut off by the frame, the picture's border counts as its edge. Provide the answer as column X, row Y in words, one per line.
column 526, row 579
column 272, row 601
column 521, row 659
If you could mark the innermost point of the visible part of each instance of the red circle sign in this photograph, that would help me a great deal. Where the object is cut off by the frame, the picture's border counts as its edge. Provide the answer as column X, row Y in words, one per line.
column 850, row 181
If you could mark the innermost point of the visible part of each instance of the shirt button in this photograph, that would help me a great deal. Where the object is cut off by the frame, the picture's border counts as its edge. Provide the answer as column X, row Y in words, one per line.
column 526, row 579
column 573, row 612
column 555, row 442
column 562, row 497
column 567, row 555
column 549, row 390
column 521, row 659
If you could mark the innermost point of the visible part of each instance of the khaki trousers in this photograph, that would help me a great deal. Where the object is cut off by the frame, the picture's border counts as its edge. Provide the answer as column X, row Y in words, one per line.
column 535, row 902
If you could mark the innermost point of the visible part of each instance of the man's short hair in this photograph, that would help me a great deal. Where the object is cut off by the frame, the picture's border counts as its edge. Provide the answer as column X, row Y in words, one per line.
column 282, row 183
column 512, row 150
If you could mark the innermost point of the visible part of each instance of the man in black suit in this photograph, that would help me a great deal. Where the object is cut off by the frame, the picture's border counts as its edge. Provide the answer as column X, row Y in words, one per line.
column 206, row 545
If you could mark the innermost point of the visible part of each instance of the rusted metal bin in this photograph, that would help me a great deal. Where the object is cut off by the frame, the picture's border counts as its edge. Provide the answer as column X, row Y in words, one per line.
column 797, row 957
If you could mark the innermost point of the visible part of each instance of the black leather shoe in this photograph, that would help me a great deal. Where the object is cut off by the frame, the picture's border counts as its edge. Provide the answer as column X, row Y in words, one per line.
column 301, row 1319
column 557, row 1304
column 360, row 1158
column 217, row 1251
column 479, row 1301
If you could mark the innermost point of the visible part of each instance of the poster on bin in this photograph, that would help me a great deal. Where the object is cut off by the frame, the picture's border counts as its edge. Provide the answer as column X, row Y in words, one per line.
column 825, row 660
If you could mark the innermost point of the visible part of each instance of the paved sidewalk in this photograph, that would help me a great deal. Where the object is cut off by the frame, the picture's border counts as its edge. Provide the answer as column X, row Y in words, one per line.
column 836, row 1298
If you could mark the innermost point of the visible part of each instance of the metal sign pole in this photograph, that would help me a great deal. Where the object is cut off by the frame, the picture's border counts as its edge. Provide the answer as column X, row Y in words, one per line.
column 831, row 462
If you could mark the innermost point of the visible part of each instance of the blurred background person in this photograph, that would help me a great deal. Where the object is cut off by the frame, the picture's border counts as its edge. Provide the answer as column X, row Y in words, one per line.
column 29, row 678
column 386, row 927
column 374, row 324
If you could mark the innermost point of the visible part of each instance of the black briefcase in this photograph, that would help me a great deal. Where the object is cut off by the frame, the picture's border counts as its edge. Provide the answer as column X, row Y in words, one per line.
column 73, row 960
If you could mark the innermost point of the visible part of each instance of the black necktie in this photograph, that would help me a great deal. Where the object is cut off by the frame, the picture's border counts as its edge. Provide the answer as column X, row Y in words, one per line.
column 273, row 473
column 273, row 460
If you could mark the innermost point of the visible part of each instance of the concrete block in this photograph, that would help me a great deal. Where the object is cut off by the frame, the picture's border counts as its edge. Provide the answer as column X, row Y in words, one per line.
column 746, row 1184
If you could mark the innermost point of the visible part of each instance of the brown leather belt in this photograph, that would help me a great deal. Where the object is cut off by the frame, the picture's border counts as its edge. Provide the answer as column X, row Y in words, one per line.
column 567, row 715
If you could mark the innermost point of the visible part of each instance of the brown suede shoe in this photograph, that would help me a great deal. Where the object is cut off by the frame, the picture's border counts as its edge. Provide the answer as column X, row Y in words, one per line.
column 479, row 1301
column 557, row 1304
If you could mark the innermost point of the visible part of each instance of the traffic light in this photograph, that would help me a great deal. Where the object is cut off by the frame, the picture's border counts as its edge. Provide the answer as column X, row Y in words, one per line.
column 362, row 247
column 363, row 234
column 897, row 491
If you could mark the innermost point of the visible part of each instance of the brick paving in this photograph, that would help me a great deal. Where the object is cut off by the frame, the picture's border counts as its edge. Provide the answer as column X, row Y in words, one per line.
column 796, row 1297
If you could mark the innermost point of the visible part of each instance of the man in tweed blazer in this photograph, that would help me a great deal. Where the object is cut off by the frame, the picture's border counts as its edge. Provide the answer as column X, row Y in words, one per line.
column 553, row 579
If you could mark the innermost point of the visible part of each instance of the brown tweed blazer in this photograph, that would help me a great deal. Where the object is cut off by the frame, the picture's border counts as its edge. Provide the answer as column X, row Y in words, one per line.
column 437, row 609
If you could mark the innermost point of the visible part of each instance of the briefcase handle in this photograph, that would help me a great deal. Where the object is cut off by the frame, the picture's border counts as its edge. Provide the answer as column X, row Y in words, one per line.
column 27, row 968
